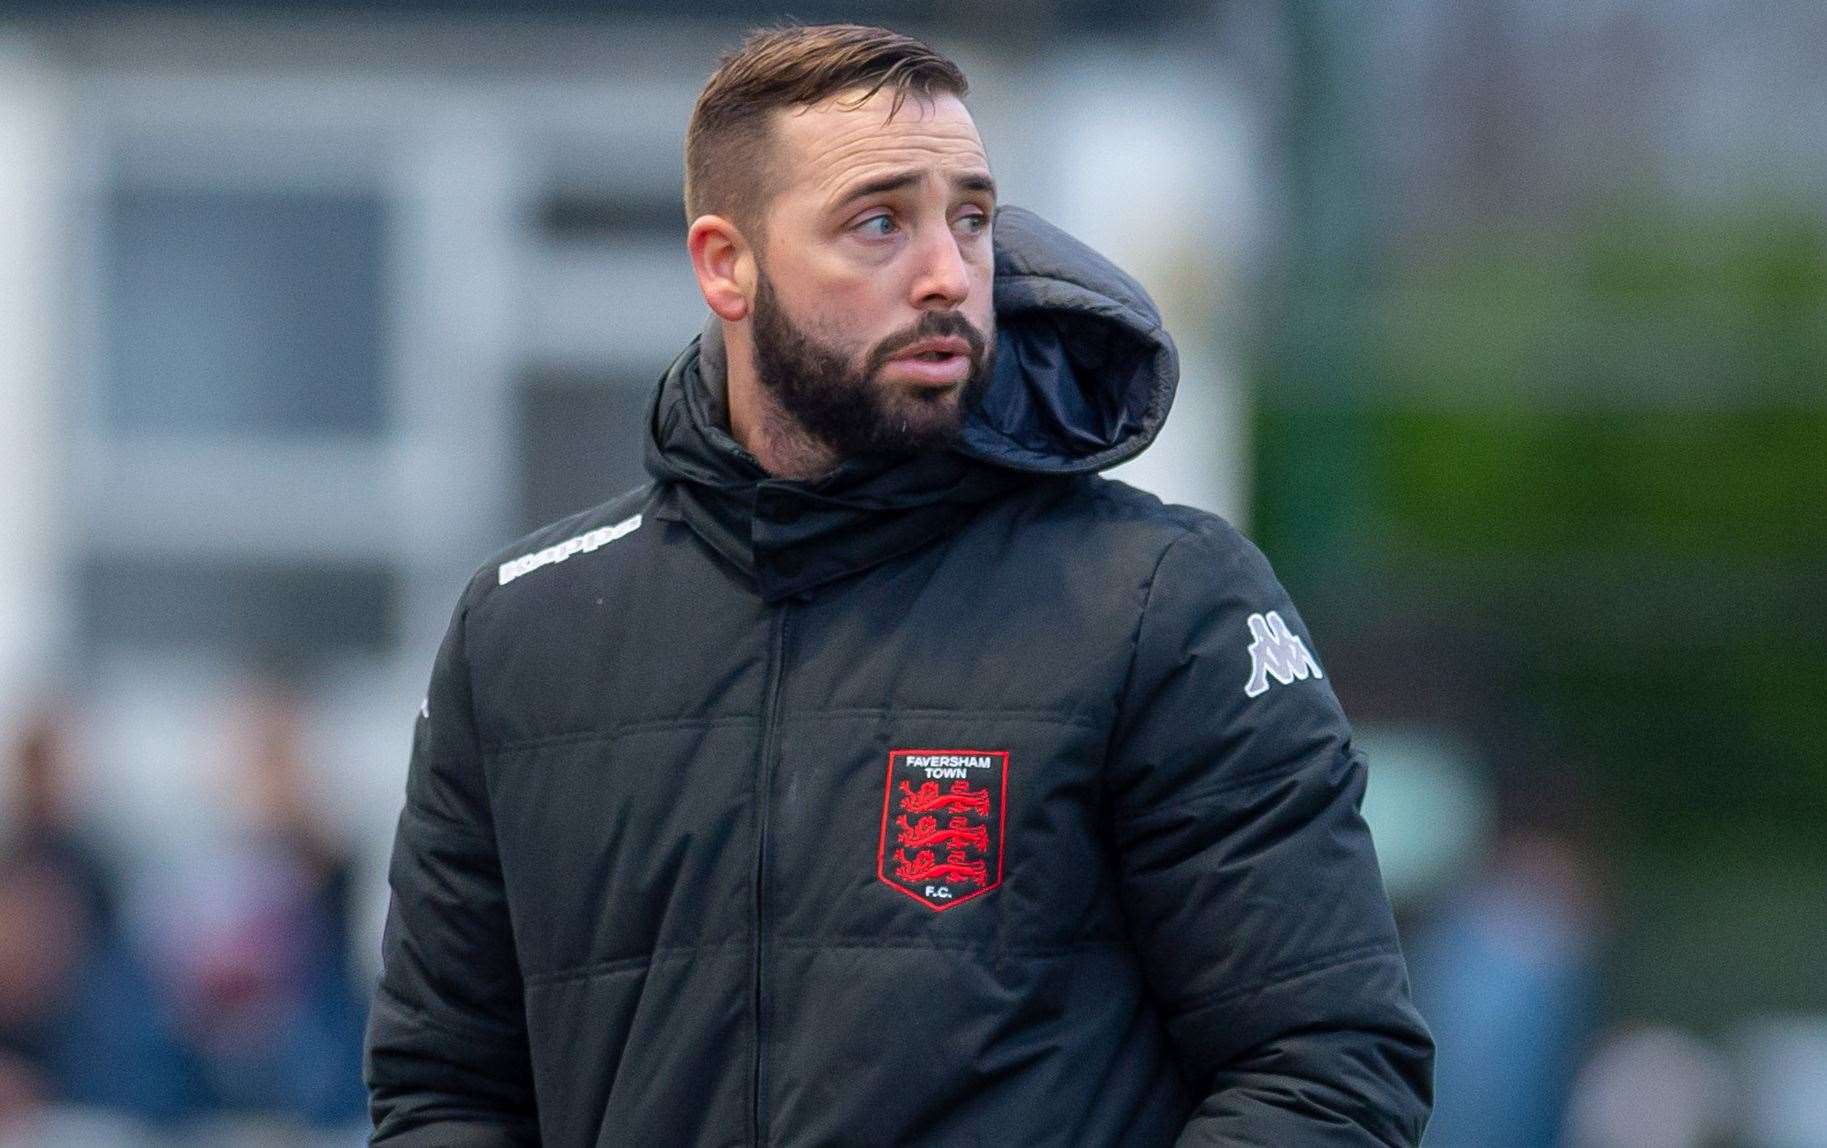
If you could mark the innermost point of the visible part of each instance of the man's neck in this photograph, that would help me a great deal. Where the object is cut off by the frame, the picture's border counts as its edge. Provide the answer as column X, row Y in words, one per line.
column 783, row 447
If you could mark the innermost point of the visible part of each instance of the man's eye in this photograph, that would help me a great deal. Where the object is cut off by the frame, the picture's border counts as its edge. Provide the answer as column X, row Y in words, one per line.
column 977, row 224
column 868, row 226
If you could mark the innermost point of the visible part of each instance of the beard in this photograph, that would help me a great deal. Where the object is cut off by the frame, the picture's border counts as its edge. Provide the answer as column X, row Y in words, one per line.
column 852, row 410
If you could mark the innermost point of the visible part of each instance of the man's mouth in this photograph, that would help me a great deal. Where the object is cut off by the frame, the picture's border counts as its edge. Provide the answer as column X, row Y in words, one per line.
column 932, row 368
column 935, row 362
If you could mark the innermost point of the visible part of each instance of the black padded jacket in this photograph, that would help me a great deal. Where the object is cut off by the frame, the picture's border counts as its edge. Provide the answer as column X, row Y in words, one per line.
column 972, row 799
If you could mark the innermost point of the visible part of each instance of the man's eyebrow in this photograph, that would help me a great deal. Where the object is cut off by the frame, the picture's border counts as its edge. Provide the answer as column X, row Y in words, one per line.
column 881, row 185
column 976, row 181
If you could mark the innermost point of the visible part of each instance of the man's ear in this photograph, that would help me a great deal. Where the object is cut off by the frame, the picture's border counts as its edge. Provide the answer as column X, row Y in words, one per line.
column 724, row 264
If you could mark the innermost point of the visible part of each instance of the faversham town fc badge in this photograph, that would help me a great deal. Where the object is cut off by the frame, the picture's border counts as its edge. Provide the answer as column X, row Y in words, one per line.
column 943, row 814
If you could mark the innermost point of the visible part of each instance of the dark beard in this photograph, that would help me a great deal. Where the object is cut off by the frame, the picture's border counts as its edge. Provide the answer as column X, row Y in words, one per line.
column 855, row 413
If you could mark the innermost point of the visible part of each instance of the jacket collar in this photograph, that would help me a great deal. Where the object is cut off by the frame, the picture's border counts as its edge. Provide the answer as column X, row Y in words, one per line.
column 793, row 536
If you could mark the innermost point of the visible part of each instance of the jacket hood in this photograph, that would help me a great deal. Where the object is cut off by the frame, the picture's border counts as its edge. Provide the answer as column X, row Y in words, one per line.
column 1083, row 379
column 1085, row 373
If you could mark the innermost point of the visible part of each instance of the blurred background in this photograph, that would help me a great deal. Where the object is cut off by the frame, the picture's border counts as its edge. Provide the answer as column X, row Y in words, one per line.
column 1505, row 334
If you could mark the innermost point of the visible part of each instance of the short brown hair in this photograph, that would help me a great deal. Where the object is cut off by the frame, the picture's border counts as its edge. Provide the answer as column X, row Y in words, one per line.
column 727, row 145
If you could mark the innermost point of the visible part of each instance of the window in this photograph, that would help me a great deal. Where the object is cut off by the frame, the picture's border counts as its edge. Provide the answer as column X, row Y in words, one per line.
column 242, row 312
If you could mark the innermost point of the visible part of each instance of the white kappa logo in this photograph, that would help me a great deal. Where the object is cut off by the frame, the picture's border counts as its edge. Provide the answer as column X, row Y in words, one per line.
column 582, row 544
column 1276, row 653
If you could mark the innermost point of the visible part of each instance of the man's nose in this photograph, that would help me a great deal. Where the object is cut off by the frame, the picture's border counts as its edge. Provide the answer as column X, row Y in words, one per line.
column 943, row 281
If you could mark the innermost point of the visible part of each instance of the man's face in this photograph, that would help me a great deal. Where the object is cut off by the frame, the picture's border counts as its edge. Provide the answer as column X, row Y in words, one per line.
column 873, row 320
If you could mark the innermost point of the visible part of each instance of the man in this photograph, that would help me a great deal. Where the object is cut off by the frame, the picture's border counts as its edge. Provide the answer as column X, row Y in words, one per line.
column 878, row 774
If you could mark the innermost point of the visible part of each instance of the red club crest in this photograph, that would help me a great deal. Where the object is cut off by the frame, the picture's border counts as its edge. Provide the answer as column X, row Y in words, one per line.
column 942, row 819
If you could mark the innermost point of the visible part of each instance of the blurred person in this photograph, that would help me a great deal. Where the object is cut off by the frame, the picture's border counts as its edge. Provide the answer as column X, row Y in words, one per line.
column 1506, row 975
column 80, row 1022
column 878, row 773
column 44, row 824
column 41, row 935
column 256, row 938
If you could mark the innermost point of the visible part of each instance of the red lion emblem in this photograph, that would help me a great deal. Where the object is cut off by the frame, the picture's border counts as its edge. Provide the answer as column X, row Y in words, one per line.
column 958, row 830
column 960, row 797
column 953, row 868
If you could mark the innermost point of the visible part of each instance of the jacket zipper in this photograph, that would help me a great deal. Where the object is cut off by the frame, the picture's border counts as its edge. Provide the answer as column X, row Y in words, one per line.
column 764, row 784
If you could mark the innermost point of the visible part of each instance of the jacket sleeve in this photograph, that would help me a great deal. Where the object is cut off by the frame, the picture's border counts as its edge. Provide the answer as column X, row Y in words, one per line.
column 446, row 1058
column 1246, row 873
